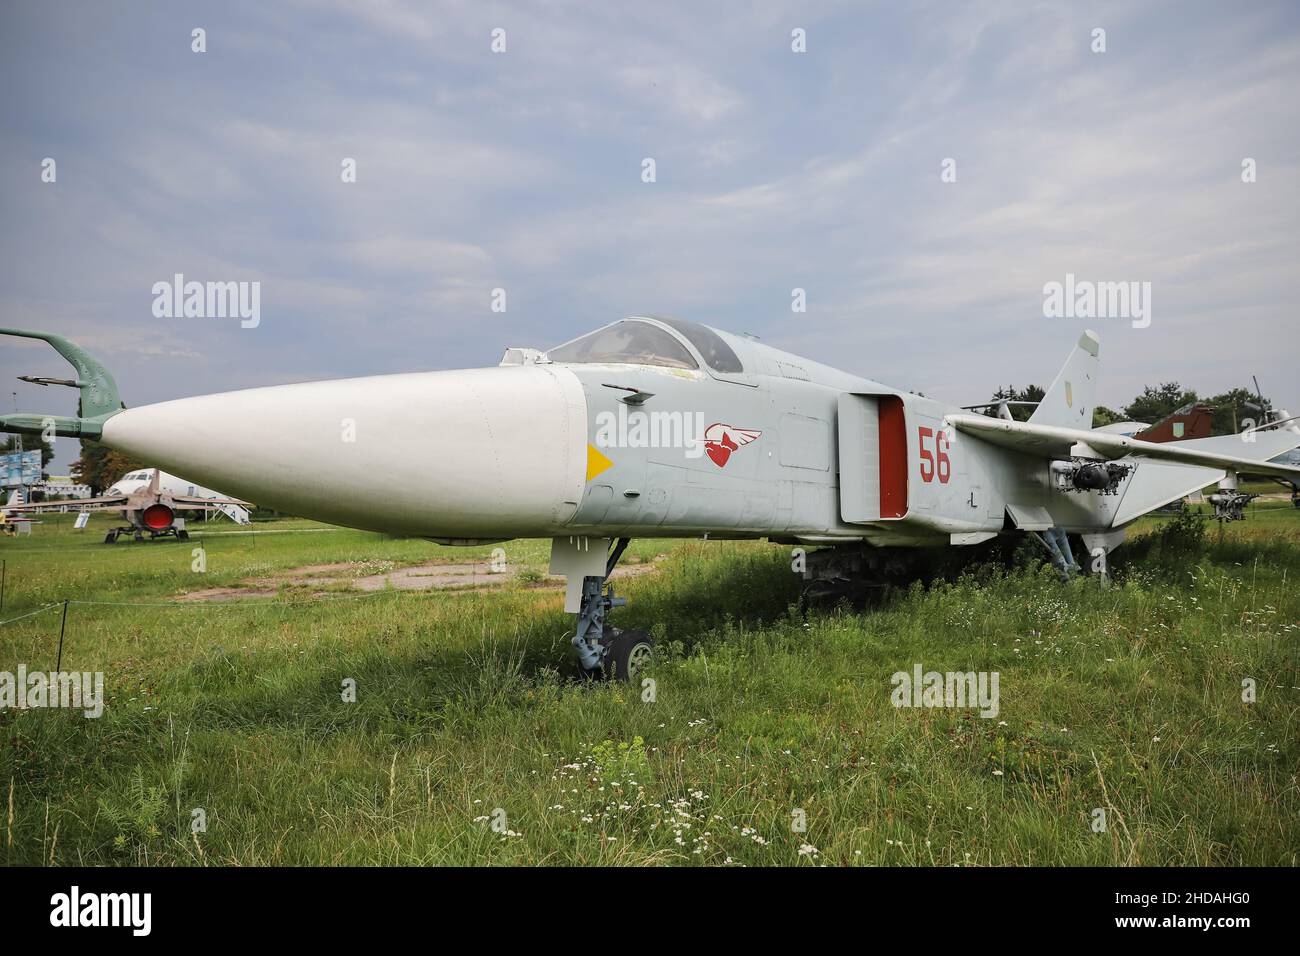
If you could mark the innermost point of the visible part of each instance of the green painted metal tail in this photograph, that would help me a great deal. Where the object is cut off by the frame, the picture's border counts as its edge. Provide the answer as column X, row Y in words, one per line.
column 99, row 399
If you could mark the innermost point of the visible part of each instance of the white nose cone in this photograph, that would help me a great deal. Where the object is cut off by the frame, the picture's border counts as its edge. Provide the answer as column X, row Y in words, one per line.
column 476, row 453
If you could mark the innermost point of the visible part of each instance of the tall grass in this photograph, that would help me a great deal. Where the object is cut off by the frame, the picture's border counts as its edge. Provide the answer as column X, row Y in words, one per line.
column 472, row 741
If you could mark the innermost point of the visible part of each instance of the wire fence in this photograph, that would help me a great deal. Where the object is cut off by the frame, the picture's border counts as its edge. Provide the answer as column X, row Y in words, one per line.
column 39, row 610
column 268, row 603
column 260, row 605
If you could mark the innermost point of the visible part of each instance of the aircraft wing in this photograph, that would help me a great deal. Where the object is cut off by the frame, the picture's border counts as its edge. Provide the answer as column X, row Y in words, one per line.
column 1055, row 441
column 193, row 501
column 104, row 501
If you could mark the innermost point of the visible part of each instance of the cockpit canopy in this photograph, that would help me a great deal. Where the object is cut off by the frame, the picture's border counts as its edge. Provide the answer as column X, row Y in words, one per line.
column 637, row 341
column 630, row 341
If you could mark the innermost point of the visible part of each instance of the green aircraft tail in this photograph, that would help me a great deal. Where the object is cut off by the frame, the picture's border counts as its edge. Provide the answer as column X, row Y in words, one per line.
column 99, row 399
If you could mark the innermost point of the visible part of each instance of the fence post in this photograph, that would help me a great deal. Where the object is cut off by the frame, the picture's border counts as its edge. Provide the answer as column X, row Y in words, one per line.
column 58, row 667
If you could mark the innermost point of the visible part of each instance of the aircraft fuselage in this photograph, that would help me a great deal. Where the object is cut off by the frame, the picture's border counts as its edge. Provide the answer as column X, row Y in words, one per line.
column 548, row 448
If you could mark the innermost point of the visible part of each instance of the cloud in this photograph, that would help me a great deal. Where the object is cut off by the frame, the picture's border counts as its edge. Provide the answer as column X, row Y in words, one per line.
column 776, row 170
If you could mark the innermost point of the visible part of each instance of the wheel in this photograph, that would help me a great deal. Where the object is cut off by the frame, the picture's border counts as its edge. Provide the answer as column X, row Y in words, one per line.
column 110, row 538
column 139, row 536
column 628, row 653
column 823, row 592
column 183, row 535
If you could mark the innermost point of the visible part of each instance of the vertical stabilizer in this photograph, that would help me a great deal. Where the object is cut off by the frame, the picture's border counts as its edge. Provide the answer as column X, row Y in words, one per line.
column 1070, row 400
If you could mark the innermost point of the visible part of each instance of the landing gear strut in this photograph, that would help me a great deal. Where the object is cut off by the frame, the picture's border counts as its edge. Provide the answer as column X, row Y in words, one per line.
column 1057, row 543
column 1229, row 504
column 605, row 650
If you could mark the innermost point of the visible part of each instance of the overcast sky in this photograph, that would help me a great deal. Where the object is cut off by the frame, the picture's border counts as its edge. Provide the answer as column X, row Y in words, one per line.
column 775, row 170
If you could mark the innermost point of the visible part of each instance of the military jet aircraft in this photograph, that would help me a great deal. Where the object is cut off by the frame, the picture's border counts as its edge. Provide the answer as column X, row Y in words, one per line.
column 657, row 427
column 150, row 501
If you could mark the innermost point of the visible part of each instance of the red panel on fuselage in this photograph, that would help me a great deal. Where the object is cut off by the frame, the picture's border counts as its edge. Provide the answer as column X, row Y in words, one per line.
column 893, row 458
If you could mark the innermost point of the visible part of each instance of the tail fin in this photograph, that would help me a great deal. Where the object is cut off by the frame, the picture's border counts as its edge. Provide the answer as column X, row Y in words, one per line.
column 99, row 400
column 1070, row 400
column 1189, row 422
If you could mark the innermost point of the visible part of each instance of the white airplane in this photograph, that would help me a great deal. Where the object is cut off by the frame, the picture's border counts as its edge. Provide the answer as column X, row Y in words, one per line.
column 657, row 427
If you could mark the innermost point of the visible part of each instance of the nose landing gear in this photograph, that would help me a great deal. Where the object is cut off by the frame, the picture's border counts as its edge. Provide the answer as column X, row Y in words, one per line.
column 604, row 650
column 627, row 654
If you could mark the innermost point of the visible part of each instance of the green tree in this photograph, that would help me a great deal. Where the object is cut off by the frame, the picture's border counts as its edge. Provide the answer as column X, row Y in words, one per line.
column 1156, row 403
column 1101, row 415
column 1234, row 410
column 1237, row 409
column 99, row 466
column 1030, row 393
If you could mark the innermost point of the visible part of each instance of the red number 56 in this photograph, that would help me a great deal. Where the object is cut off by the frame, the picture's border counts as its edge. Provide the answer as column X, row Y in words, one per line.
column 937, row 460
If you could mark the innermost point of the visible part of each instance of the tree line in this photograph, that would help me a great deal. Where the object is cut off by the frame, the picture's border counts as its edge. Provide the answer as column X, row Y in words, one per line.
column 1234, row 410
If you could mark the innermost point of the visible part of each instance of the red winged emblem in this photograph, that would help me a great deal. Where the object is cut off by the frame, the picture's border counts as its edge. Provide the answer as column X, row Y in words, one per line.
column 721, row 440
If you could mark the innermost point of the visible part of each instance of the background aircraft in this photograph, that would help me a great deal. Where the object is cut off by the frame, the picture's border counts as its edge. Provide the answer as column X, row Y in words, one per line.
column 654, row 426
column 1194, row 420
column 150, row 501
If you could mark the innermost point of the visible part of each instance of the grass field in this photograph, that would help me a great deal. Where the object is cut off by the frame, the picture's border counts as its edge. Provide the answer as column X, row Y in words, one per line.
column 468, row 718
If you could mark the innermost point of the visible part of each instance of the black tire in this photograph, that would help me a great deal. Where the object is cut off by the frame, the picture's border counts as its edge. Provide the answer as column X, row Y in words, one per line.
column 628, row 654
column 110, row 538
column 139, row 536
column 183, row 535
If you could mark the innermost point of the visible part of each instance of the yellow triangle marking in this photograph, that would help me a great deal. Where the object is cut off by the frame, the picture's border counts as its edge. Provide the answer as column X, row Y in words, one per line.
column 596, row 462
